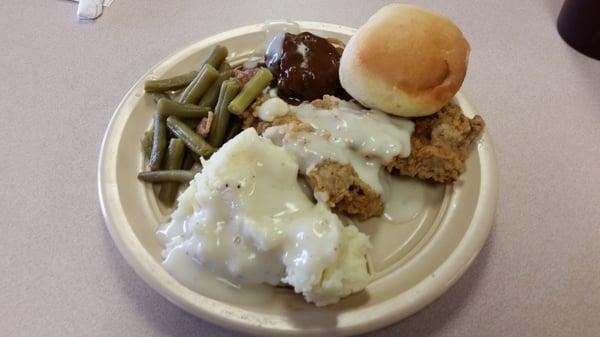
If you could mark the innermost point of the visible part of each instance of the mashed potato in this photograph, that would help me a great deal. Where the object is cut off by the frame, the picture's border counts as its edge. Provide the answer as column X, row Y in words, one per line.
column 245, row 218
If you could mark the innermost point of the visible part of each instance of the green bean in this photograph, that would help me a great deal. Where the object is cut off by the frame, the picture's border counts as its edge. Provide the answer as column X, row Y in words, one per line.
column 216, row 56
column 250, row 91
column 170, row 108
column 175, row 154
column 197, row 167
column 188, row 160
column 147, row 143
column 176, row 96
column 235, row 126
column 192, row 122
column 193, row 140
column 197, row 158
column 173, row 83
column 225, row 66
column 159, row 141
column 156, row 96
column 174, row 159
column 164, row 176
column 192, row 94
column 212, row 94
column 229, row 89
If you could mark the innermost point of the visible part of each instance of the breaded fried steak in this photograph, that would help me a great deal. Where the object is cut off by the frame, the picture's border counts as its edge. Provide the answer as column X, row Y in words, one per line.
column 336, row 184
column 345, row 191
column 440, row 145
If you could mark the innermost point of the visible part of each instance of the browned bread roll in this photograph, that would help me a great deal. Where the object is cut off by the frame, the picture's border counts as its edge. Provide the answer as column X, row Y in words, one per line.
column 405, row 60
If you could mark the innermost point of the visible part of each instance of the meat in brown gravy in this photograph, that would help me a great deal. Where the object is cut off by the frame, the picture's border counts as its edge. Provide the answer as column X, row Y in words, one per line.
column 305, row 66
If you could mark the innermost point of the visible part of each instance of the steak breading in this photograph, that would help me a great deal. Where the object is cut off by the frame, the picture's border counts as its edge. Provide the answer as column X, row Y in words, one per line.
column 440, row 145
column 345, row 191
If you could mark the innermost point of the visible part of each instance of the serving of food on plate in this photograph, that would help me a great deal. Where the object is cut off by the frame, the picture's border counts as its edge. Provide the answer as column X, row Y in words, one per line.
column 291, row 169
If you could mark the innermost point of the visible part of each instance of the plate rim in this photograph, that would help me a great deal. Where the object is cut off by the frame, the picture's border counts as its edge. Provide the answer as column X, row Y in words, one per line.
column 129, row 246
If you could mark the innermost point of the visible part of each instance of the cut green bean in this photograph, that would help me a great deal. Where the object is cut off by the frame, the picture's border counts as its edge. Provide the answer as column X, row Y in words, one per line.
column 165, row 176
column 225, row 66
column 193, row 140
column 216, row 56
column 174, row 159
column 218, row 127
column 197, row 167
column 250, row 91
column 175, row 154
column 159, row 141
column 235, row 126
column 168, row 107
column 212, row 94
column 192, row 122
column 156, row 96
column 173, row 83
column 188, row 160
column 192, row 94
column 147, row 143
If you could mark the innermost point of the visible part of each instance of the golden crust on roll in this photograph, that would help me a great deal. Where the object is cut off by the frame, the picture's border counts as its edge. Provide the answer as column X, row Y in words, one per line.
column 406, row 61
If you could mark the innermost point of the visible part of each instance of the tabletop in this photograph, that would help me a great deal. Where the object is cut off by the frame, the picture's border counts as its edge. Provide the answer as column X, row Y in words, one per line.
column 538, row 274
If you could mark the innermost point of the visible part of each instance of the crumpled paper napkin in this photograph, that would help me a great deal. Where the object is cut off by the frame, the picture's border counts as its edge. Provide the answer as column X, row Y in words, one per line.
column 91, row 9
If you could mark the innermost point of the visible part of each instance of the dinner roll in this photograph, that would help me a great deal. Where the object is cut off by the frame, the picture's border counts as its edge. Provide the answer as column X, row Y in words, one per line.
column 405, row 60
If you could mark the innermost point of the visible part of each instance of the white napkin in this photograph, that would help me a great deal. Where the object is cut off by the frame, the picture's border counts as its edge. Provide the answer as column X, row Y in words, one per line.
column 91, row 9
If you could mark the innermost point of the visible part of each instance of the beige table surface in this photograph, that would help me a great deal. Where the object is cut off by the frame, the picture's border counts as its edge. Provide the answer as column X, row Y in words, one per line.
column 538, row 275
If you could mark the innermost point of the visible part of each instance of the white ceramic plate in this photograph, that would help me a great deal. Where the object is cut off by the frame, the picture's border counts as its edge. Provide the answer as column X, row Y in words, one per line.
column 413, row 263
